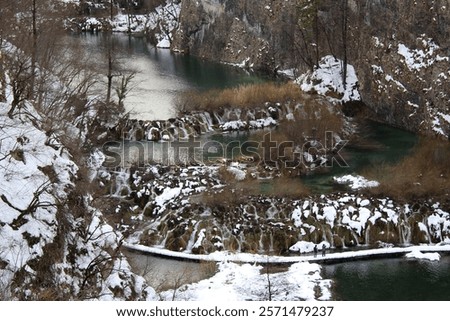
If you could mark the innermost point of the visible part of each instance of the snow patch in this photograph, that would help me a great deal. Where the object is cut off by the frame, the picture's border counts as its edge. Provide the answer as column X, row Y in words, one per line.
column 356, row 182
column 327, row 78
column 416, row 254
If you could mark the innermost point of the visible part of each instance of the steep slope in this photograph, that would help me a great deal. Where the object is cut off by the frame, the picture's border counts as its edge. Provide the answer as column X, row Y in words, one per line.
column 53, row 244
column 400, row 52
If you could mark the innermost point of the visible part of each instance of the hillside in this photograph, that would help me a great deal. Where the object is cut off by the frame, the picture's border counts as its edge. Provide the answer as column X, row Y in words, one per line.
column 400, row 52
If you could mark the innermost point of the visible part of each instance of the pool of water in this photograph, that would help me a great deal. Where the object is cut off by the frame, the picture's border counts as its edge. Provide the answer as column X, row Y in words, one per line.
column 380, row 145
column 162, row 75
column 391, row 280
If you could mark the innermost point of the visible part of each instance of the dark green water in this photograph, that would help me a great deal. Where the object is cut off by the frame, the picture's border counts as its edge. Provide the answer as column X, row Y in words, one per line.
column 381, row 145
column 391, row 280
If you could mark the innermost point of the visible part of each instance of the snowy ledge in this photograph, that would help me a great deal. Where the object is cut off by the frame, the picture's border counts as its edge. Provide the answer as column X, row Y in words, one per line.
column 258, row 258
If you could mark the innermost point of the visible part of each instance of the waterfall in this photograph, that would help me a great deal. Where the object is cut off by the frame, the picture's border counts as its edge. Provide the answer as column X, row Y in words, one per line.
column 226, row 114
column 191, row 241
column 355, row 237
column 121, row 180
column 205, row 127
column 324, row 235
column 218, row 118
column 404, row 233
column 261, row 244
column 426, row 230
column 208, row 121
column 182, row 128
column 271, row 243
column 367, row 235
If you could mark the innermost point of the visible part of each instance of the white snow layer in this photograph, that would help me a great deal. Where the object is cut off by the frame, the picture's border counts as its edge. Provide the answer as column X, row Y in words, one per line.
column 416, row 254
column 355, row 181
column 29, row 194
column 416, row 59
column 328, row 78
column 222, row 256
column 236, row 282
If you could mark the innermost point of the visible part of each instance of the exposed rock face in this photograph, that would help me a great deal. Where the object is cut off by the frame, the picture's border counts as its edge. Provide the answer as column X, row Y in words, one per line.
column 402, row 59
column 400, row 52
column 242, row 32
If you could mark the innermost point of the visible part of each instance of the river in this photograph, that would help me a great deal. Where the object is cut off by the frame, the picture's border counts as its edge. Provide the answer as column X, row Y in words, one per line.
column 162, row 75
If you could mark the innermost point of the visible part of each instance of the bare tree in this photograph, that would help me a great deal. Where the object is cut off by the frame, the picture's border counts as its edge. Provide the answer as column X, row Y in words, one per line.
column 344, row 29
column 308, row 25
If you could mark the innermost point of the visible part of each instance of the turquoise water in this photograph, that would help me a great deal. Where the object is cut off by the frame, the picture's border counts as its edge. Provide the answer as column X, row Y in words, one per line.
column 381, row 145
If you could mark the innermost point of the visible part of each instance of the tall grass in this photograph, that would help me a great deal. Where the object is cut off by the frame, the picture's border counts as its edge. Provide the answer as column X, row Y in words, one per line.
column 424, row 173
column 244, row 96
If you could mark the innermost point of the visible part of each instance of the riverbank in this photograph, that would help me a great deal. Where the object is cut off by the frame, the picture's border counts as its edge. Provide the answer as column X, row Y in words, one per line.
column 329, row 257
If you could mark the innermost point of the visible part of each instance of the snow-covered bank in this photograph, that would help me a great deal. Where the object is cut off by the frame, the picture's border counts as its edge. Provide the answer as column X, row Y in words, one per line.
column 158, row 24
column 54, row 245
column 327, row 80
column 236, row 282
column 224, row 256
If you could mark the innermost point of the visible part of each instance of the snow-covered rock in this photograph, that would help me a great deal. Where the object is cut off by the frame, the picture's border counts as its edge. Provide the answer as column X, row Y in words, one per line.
column 327, row 78
column 236, row 282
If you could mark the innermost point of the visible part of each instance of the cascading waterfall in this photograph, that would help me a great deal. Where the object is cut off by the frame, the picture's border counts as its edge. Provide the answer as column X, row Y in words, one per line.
column 192, row 239
column 326, row 228
column 218, row 118
column 226, row 114
column 427, row 231
column 208, row 121
column 355, row 237
column 184, row 131
column 404, row 233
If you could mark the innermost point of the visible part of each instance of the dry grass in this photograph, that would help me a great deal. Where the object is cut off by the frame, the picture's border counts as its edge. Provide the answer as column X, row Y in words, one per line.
column 313, row 120
column 244, row 96
column 425, row 173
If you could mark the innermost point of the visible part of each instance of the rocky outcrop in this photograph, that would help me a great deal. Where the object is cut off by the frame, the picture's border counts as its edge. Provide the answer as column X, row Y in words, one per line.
column 400, row 52
column 240, row 32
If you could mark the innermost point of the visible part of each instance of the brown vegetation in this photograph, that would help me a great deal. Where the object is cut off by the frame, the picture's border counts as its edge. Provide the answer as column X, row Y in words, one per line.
column 312, row 120
column 422, row 174
column 244, row 96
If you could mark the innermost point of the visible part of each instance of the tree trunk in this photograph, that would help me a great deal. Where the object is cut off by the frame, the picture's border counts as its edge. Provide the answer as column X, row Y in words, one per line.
column 109, row 75
column 344, row 41
column 34, row 48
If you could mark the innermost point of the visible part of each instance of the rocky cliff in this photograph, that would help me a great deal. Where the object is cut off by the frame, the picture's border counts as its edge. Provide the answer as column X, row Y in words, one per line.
column 400, row 50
